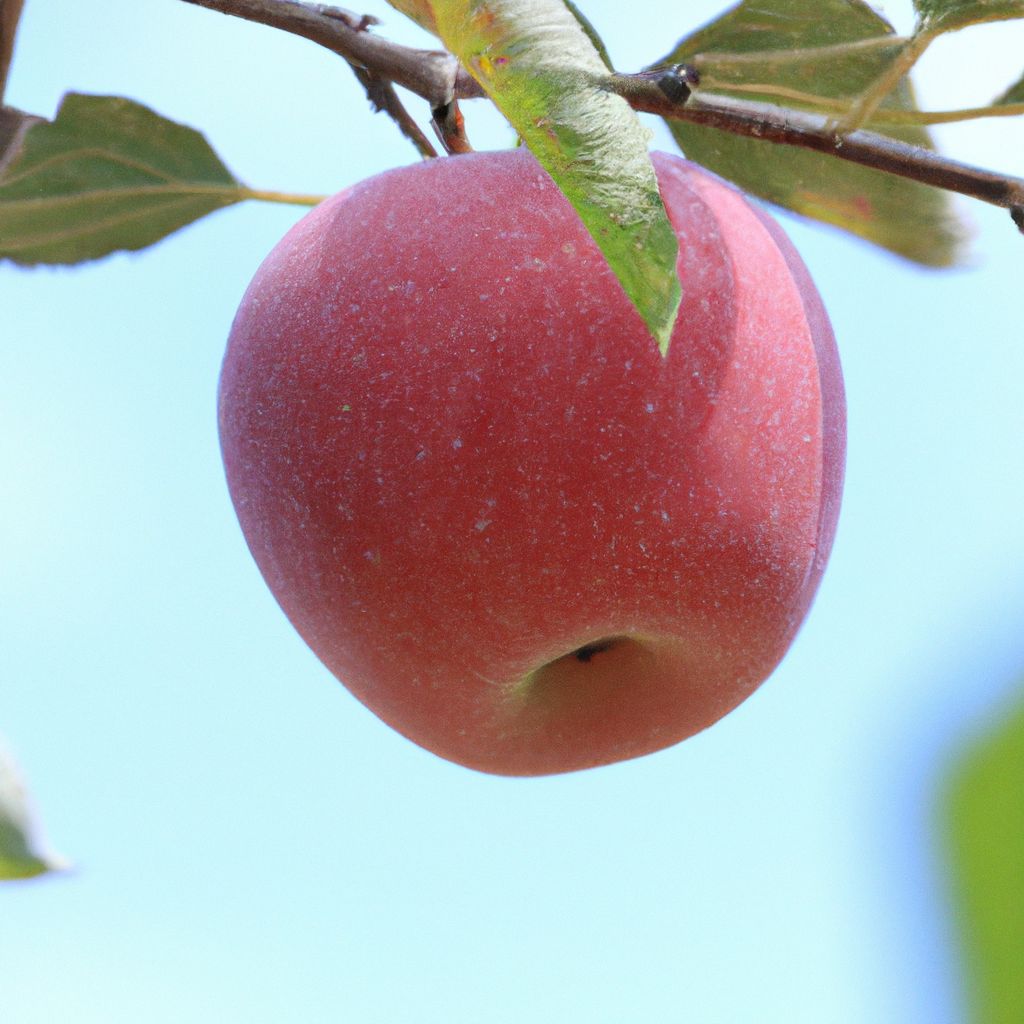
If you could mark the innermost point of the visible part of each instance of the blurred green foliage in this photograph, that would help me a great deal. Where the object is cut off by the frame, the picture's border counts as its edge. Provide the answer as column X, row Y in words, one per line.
column 983, row 818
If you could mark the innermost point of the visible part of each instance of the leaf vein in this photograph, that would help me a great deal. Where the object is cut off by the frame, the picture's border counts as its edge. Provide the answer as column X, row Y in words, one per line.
column 230, row 194
column 98, row 225
column 90, row 152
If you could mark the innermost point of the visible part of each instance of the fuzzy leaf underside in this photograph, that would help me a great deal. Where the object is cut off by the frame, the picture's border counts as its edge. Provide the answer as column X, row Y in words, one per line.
column 983, row 815
column 539, row 64
column 778, row 45
column 592, row 34
column 950, row 15
column 106, row 174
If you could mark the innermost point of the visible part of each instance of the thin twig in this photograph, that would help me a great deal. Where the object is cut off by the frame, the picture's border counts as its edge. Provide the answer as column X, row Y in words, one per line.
column 379, row 91
column 381, row 94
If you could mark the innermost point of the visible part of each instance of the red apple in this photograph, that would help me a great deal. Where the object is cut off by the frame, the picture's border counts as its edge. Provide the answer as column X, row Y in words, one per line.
column 514, row 530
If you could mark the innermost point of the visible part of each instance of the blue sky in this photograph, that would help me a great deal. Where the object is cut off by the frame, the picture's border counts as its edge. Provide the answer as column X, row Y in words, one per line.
column 252, row 845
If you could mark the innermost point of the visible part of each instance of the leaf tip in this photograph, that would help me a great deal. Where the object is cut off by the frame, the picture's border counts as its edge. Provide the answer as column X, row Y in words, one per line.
column 662, row 326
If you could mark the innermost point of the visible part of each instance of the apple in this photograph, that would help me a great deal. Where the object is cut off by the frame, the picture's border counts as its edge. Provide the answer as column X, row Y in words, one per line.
column 515, row 531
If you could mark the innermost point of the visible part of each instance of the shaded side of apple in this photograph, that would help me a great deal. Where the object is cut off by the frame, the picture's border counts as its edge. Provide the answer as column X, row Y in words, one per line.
column 510, row 527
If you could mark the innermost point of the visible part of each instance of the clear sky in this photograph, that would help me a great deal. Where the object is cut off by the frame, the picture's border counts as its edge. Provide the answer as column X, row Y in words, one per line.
column 252, row 845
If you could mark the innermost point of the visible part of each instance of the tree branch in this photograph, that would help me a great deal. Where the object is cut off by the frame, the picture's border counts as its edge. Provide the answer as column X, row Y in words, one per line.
column 433, row 74
column 438, row 78
column 10, row 12
column 652, row 92
column 382, row 96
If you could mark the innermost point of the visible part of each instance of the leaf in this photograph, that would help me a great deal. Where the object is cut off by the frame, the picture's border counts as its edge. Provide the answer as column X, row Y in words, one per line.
column 107, row 174
column 20, row 856
column 536, row 62
column 830, row 49
column 983, row 814
column 950, row 15
column 1015, row 94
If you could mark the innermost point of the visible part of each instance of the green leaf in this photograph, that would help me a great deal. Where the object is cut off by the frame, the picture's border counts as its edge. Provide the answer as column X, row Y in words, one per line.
column 983, row 814
column 107, row 174
column 1015, row 94
column 538, row 64
column 826, row 52
column 950, row 15
column 20, row 856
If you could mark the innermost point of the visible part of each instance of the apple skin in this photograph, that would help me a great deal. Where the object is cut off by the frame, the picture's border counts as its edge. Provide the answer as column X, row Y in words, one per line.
column 500, row 517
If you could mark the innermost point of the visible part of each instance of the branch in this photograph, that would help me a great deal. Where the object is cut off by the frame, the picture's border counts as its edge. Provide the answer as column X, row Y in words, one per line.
column 433, row 74
column 10, row 12
column 382, row 96
column 438, row 78
column 658, row 93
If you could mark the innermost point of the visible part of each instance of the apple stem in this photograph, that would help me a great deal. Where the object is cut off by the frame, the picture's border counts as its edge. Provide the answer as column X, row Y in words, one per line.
column 451, row 128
